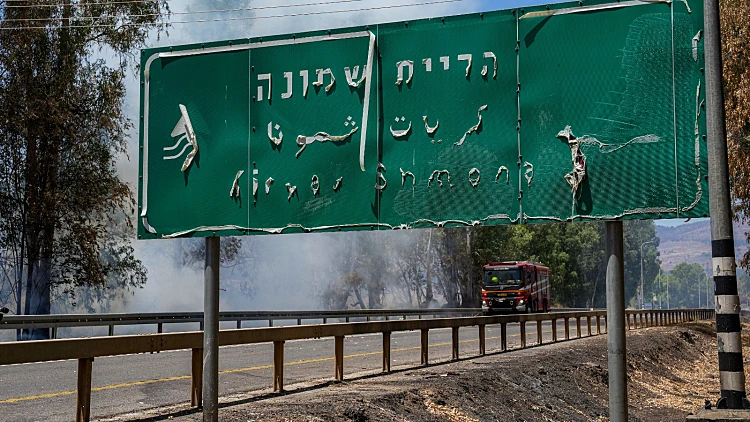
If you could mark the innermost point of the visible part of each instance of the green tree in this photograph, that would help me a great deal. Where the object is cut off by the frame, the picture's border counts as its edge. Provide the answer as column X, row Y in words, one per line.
column 685, row 281
column 62, row 127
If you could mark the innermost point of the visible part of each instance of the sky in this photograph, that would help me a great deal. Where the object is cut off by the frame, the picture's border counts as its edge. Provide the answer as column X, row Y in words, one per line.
column 158, row 294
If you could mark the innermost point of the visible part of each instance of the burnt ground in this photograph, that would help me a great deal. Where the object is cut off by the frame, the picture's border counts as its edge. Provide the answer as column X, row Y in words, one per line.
column 671, row 372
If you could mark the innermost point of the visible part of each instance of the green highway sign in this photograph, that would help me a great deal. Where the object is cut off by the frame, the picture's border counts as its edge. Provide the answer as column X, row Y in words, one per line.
column 572, row 113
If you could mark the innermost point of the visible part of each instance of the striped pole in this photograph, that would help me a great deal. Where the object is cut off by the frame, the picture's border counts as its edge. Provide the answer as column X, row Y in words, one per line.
column 727, row 302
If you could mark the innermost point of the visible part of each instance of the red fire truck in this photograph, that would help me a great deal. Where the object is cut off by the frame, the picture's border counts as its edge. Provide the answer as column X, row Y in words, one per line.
column 515, row 287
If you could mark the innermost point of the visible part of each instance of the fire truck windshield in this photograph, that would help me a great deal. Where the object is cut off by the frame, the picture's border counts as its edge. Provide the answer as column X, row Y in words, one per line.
column 502, row 277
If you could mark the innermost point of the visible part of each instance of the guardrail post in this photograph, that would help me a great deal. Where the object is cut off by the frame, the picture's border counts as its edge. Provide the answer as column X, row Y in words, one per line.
column 539, row 332
column 605, row 324
column 598, row 325
column 239, row 324
column 83, row 398
column 339, row 358
column 567, row 328
column 425, row 344
column 554, row 330
column 278, row 366
column 481, row 339
column 111, row 331
column 523, row 334
column 386, row 351
column 299, row 321
column 159, row 328
column 325, row 320
column 578, row 327
column 454, row 335
column 504, row 336
column 270, row 322
column 196, row 379
column 588, row 324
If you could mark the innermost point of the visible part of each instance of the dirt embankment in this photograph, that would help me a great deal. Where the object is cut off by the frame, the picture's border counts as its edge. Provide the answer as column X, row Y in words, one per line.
column 671, row 372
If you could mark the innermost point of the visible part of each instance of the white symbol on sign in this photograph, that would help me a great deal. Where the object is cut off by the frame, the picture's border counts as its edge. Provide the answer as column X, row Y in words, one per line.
column 430, row 130
column 400, row 133
column 446, row 61
column 305, row 82
column 288, row 93
column 352, row 75
column 490, row 55
column 466, row 58
column 183, row 129
column 321, row 73
column 401, row 65
column 276, row 141
column 264, row 77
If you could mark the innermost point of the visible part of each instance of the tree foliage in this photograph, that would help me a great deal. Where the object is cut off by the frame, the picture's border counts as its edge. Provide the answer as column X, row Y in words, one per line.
column 735, row 42
column 65, row 215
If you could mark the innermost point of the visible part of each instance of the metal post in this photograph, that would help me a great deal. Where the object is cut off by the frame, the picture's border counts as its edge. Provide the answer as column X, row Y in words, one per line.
column 454, row 336
column 83, row 397
column 554, row 330
column 278, row 366
column 539, row 332
column 481, row 339
column 504, row 336
column 425, row 347
column 338, row 358
column 211, row 332
column 386, row 351
column 196, row 379
column 731, row 372
column 618, row 389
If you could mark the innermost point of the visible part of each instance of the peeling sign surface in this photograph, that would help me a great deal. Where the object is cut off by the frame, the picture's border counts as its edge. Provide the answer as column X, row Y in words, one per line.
column 580, row 113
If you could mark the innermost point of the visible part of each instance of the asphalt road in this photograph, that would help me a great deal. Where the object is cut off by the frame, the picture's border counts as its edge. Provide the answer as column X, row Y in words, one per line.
column 121, row 384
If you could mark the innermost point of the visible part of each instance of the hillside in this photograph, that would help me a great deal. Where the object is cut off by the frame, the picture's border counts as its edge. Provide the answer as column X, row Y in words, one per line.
column 691, row 242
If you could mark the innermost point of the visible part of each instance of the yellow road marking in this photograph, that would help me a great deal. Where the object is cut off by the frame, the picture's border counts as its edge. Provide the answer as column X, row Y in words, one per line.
column 251, row 368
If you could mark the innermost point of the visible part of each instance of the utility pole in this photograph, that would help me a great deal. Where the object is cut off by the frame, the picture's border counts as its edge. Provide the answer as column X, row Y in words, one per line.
column 616, row 353
column 211, row 331
column 731, row 372
column 642, row 292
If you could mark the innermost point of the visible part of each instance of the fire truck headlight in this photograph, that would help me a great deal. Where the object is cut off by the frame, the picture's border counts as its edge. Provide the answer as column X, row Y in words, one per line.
column 520, row 301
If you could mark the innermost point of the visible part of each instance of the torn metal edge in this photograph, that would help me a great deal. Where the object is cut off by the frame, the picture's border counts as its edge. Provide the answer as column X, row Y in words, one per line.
column 529, row 173
column 291, row 189
column 338, row 184
column 490, row 55
column 405, row 226
column 404, row 174
column 500, row 172
column 466, row 57
column 276, row 141
column 315, row 185
column 235, row 191
column 593, row 8
column 241, row 47
column 378, row 186
column 430, row 130
column 400, row 133
column 474, row 182
column 269, row 182
column 473, row 128
column 696, row 40
column 366, row 108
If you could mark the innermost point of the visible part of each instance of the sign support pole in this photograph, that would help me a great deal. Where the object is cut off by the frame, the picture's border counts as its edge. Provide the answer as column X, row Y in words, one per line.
column 211, row 332
column 727, row 302
column 616, row 356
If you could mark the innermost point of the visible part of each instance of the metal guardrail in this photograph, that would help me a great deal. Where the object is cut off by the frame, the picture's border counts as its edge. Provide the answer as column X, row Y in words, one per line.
column 15, row 322
column 86, row 349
